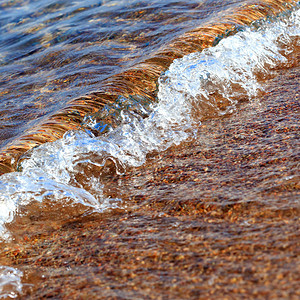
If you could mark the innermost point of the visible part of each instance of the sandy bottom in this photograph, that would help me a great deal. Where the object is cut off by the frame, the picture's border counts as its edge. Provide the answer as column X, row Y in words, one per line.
column 214, row 218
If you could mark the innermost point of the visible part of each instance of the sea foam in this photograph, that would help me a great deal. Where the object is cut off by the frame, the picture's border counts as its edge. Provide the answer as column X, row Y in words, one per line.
column 194, row 87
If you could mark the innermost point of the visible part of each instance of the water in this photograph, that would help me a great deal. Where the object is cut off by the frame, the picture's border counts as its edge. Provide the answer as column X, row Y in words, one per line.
column 10, row 282
column 69, row 177
column 54, row 52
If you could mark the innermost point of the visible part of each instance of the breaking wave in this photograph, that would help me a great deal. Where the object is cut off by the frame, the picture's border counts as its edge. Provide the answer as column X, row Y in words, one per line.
column 198, row 86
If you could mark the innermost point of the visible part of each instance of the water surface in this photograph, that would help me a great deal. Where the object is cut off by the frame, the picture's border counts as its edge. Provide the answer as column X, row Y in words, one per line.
column 227, row 114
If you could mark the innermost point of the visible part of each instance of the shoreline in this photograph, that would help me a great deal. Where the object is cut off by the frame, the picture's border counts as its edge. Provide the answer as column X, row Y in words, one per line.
column 215, row 217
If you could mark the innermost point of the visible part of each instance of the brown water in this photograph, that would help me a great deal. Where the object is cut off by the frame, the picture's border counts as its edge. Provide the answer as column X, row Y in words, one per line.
column 215, row 217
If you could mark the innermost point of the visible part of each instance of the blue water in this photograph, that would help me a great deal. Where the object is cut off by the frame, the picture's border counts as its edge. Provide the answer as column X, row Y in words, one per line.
column 53, row 52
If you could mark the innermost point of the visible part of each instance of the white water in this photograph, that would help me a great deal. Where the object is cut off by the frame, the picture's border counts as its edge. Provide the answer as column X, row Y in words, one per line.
column 10, row 282
column 189, row 85
column 230, row 68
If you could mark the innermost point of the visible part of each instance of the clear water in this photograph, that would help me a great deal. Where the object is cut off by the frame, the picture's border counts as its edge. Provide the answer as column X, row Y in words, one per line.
column 53, row 52
column 186, row 90
column 199, row 86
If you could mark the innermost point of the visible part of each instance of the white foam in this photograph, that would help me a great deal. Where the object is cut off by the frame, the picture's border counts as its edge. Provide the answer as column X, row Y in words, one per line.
column 10, row 282
column 228, row 70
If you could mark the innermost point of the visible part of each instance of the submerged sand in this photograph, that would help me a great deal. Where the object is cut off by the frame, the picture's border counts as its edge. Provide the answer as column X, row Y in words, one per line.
column 214, row 218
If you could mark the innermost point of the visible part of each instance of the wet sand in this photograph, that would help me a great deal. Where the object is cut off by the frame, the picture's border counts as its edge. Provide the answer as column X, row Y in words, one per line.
column 216, row 217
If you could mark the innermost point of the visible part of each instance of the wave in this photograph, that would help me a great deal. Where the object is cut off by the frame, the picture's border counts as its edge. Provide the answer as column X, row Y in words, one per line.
column 139, row 81
column 196, row 86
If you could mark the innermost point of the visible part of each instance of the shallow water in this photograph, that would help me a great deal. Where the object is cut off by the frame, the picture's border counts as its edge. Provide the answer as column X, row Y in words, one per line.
column 87, row 175
column 52, row 52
